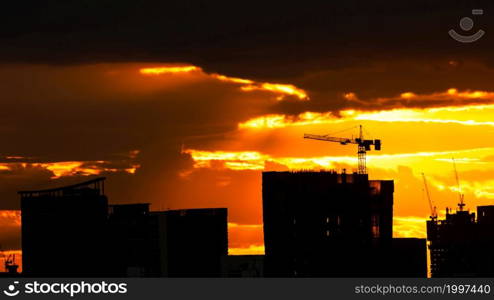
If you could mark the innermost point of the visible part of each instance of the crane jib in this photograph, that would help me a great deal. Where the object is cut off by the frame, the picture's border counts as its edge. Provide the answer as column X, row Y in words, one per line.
column 363, row 146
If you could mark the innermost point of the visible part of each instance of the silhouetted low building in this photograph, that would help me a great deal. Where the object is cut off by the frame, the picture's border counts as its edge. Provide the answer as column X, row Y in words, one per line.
column 174, row 243
column 135, row 242
column 325, row 224
column 196, row 241
column 72, row 232
column 63, row 230
column 407, row 258
column 461, row 245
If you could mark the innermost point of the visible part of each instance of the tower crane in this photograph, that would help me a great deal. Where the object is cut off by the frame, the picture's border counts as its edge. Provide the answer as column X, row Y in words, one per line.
column 431, row 205
column 363, row 146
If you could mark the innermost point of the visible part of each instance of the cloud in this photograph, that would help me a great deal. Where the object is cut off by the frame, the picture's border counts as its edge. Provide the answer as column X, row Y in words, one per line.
column 245, row 239
column 253, row 160
column 451, row 106
column 409, row 227
column 260, row 40
column 451, row 97
column 71, row 168
column 248, row 85
column 85, row 83
column 103, row 119
column 166, row 70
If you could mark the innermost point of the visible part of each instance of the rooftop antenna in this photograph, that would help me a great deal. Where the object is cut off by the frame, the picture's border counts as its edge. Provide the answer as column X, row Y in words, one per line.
column 461, row 204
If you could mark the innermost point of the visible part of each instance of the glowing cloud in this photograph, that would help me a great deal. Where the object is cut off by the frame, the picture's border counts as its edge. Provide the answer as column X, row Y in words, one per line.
column 82, row 168
column 250, row 85
column 168, row 70
column 445, row 97
column 469, row 115
column 412, row 115
column 252, row 160
column 246, row 239
column 10, row 218
column 232, row 79
column 250, row 250
column 284, row 89
column 247, row 85
column 280, row 121
column 406, row 227
column 71, row 168
column 247, row 160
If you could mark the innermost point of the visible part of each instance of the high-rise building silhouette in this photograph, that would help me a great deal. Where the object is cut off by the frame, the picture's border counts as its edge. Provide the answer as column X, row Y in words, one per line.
column 462, row 245
column 330, row 224
column 63, row 230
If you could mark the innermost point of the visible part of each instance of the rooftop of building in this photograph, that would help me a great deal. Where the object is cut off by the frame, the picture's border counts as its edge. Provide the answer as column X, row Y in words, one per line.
column 96, row 184
column 143, row 208
column 192, row 211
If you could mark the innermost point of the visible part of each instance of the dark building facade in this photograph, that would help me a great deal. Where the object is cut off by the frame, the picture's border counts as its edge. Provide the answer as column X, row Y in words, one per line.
column 325, row 224
column 247, row 266
column 407, row 258
column 73, row 232
column 63, row 230
column 462, row 245
column 196, row 241
column 174, row 243
column 136, row 243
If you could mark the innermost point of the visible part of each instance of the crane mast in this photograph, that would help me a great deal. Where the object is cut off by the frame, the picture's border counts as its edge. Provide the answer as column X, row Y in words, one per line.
column 363, row 146
column 431, row 205
column 362, row 160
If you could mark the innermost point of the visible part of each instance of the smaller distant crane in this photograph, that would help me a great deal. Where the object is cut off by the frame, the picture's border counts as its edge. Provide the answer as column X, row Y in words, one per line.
column 431, row 205
column 363, row 146
column 9, row 262
column 461, row 204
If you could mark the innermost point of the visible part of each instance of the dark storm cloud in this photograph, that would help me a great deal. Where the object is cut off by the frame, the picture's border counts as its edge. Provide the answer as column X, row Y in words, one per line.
column 255, row 39
column 374, row 49
column 99, row 114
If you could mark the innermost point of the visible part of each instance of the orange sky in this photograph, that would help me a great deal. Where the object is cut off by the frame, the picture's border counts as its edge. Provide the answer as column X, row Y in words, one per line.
column 414, row 141
column 223, row 131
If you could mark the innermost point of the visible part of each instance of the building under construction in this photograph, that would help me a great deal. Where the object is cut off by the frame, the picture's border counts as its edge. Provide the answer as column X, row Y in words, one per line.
column 320, row 224
column 462, row 244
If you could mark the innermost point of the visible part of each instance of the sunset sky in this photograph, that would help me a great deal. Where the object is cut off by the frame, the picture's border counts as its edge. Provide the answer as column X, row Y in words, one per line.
column 183, row 105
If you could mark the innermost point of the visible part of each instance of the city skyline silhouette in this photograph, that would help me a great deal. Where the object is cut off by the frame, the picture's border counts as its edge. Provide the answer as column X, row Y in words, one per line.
column 183, row 105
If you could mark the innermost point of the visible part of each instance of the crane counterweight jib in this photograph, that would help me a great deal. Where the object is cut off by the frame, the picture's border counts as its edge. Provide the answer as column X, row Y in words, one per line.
column 377, row 145
column 345, row 141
